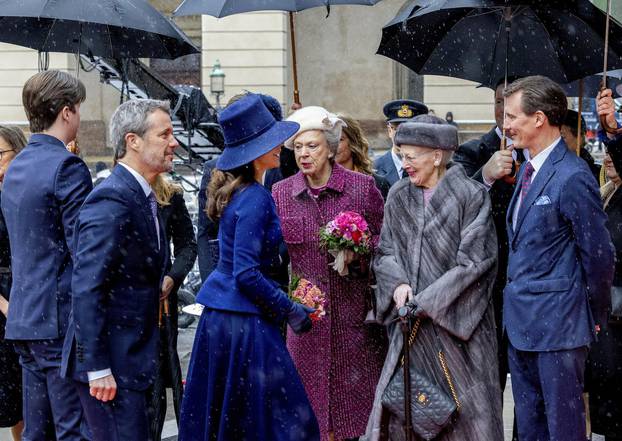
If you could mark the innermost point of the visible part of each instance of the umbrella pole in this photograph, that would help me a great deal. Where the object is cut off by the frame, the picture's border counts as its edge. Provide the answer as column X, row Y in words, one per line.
column 507, row 12
column 603, row 119
column 292, row 36
column 579, row 112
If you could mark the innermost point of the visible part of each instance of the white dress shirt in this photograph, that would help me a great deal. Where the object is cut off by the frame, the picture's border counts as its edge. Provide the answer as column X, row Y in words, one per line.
column 144, row 185
column 536, row 162
column 147, row 189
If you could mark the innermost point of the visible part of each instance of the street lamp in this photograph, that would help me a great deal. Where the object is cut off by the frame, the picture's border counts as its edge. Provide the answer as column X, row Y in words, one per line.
column 217, row 82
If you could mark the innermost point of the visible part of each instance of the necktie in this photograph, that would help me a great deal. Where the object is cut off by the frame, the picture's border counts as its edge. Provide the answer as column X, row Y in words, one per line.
column 520, row 156
column 153, row 205
column 526, row 181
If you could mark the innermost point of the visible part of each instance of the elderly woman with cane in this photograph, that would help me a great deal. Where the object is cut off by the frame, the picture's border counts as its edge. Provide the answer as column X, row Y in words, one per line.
column 437, row 255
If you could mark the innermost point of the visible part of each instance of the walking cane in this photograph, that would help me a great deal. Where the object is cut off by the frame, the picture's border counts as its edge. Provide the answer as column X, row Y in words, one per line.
column 603, row 118
column 405, row 326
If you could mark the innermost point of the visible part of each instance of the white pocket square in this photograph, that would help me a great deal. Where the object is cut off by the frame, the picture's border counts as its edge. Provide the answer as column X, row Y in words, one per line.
column 543, row 200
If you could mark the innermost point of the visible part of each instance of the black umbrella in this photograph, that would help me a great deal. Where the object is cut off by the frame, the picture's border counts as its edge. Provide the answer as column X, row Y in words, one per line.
column 589, row 87
column 169, row 368
column 482, row 40
column 105, row 28
column 223, row 8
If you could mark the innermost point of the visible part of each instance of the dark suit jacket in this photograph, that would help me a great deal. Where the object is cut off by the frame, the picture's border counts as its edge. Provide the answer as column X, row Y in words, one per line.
column 561, row 258
column 473, row 155
column 385, row 168
column 116, row 285
column 43, row 189
column 180, row 233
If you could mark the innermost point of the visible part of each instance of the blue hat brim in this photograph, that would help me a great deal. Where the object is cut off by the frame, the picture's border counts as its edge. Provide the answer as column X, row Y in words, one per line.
column 239, row 155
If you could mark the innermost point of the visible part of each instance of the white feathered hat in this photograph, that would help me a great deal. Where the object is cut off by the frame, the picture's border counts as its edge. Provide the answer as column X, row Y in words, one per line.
column 314, row 118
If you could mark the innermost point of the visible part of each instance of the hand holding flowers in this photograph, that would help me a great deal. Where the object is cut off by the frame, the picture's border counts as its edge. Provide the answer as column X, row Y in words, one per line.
column 345, row 237
column 306, row 293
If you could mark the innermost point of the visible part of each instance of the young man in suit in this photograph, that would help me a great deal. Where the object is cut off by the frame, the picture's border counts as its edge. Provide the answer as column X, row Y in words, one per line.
column 43, row 190
column 484, row 161
column 560, row 267
column 121, row 257
column 389, row 165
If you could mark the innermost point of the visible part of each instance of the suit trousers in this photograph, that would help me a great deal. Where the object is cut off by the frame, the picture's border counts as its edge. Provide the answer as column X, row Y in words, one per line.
column 122, row 419
column 48, row 399
column 547, row 388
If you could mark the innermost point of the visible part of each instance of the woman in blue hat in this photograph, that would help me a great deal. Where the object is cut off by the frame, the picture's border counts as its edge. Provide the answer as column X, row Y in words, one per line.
column 242, row 383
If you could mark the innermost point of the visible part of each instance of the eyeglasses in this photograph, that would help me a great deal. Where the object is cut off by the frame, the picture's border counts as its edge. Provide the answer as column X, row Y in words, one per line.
column 412, row 158
column 5, row 151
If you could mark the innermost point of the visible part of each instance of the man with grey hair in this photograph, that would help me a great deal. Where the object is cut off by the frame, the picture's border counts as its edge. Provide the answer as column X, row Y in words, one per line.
column 121, row 256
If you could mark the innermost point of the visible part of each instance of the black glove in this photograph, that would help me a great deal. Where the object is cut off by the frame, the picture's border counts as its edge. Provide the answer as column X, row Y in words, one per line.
column 411, row 309
column 298, row 318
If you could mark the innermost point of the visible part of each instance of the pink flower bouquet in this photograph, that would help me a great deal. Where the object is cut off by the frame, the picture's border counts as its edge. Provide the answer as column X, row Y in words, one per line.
column 349, row 231
column 304, row 292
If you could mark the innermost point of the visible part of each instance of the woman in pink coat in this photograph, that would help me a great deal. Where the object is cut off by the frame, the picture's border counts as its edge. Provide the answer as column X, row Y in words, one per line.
column 341, row 358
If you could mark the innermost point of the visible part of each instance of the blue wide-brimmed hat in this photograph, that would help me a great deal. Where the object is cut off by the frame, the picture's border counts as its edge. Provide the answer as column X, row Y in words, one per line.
column 250, row 131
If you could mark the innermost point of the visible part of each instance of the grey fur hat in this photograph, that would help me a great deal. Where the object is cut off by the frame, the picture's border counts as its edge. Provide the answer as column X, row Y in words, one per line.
column 427, row 131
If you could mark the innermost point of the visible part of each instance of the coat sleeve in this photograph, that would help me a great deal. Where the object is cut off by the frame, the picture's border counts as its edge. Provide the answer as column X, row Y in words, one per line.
column 253, row 216
column 72, row 186
column 184, row 242
column 389, row 272
column 468, row 156
column 458, row 299
column 100, row 242
column 374, row 213
column 614, row 147
column 582, row 207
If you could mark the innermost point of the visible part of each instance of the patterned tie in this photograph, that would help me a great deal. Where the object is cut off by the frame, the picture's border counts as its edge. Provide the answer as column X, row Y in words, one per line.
column 153, row 204
column 526, row 182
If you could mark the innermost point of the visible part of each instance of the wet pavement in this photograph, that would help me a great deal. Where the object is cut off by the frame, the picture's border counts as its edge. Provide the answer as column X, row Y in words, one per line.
column 184, row 347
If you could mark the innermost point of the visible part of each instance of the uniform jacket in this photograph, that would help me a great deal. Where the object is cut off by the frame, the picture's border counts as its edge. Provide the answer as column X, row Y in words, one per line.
column 385, row 168
column 561, row 258
column 116, row 285
column 43, row 189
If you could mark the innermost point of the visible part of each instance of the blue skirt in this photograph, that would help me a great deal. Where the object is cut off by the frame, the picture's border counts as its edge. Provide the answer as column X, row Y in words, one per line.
column 242, row 384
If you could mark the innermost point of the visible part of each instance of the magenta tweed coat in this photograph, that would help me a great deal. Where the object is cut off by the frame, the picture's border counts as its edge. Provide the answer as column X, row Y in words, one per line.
column 341, row 358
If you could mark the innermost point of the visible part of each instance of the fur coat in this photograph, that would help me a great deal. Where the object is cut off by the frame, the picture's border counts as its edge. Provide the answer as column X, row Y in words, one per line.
column 446, row 250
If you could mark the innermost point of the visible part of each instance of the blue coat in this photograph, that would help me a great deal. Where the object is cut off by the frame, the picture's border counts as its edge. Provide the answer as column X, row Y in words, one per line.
column 116, row 285
column 561, row 258
column 43, row 190
column 249, row 237
column 385, row 168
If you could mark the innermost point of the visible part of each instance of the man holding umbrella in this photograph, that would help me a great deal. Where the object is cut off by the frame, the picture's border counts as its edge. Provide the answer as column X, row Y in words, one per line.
column 485, row 161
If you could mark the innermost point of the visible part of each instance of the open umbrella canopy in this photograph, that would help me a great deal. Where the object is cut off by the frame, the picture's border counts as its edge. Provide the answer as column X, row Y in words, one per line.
column 222, row 8
column 479, row 40
column 591, row 85
column 106, row 28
